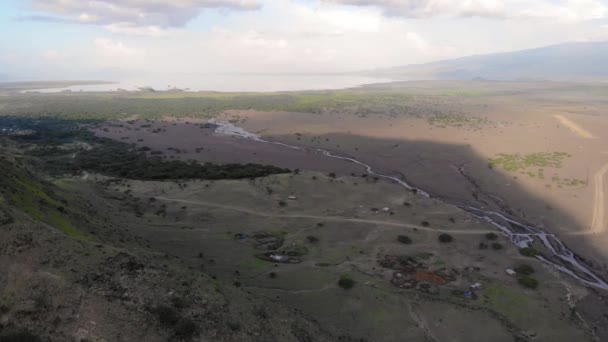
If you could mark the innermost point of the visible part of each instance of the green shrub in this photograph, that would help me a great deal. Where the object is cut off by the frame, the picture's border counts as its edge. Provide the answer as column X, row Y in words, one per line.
column 528, row 251
column 312, row 239
column 346, row 282
column 19, row 336
column 483, row 245
column 185, row 328
column 496, row 246
column 404, row 239
column 491, row 236
column 528, row 282
column 445, row 238
column 167, row 316
column 524, row 269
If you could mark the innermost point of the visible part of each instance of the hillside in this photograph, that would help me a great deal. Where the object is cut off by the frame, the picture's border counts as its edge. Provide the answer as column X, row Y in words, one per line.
column 578, row 61
column 70, row 274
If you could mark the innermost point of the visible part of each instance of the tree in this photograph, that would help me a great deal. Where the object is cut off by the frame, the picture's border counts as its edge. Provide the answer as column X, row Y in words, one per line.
column 346, row 282
column 491, row 236
column 528, row 251
column 496, row 246
column 528, row 282
column 445, row 238
column 524, row 269
column 404, row 239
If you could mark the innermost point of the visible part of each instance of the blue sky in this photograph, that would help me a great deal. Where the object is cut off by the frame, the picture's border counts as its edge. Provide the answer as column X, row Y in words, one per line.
column 82, row 39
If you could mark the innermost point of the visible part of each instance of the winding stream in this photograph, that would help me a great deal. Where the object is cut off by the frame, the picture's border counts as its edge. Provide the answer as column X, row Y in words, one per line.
column 520, row 234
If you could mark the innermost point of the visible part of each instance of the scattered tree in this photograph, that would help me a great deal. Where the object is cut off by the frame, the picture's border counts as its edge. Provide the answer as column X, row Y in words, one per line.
column 346, row 282
column 445, row 238
column 404, row 239
column 528, row 282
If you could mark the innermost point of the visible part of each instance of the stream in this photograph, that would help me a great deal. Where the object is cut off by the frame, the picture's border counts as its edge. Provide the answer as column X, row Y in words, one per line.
column 519, row 234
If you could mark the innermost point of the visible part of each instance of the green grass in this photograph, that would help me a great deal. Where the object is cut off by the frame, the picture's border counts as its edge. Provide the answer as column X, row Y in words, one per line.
column 514, row 305
column 517, row 162
column 533, row 165
column 461, row 121
column 254, row 265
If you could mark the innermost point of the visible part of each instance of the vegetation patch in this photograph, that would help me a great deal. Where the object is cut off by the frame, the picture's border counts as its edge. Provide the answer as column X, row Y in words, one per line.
column 459, row 121
column 533, row 165
column 445, row 238
column 404, row 239
column 528, row 252
column 346, row 282
column 528, row 282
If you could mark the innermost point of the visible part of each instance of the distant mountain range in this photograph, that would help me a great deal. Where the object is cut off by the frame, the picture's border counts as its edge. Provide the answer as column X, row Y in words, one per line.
column 569, row 61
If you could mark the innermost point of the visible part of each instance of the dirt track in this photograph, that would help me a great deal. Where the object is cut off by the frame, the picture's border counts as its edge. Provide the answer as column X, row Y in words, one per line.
column 328, row 218
column 599, row 206
column 574, row 127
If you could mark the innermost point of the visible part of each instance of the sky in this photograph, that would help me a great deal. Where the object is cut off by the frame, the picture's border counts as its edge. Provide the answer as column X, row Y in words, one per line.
column 104, row 39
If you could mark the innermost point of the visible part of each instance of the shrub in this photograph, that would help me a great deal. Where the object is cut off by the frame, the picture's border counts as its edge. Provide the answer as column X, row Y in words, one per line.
column 185, row 328
column 312, row 239
column 19, row 336
column 167, row 316
column 445, row 238
column 282, row 204
column 496, row 246
column 332, row 175
column 346, row 282
column 524, row 269
column 528, row 282
column 491, row 236
column 404, row 239
column 528, row 251
column 483, row 245
column 425, row 223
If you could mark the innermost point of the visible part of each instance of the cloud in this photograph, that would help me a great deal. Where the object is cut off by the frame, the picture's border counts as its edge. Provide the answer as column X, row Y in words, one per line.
column 131, row 13
column 113, row 49
column 562, row 10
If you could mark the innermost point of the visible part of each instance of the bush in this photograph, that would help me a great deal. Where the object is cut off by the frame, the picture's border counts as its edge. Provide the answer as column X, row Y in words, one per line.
column 167, row 316
column 483, row 245
column 524, row 269
column 19, row 336
column 491, row 236
column 185, row 328
column 346, row 282
column 445, row 238
column 404, row 239
column 528, row 282
column 425, row 223
column 312, row 239
column 528, row 251
column 496, row 246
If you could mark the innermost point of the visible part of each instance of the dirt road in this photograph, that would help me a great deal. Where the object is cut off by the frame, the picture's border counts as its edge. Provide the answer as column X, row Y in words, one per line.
column 326, row 218
column 574, row 127
column 599, row 204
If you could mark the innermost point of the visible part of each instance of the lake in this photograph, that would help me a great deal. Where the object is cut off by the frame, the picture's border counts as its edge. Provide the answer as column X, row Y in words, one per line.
column 233, row 83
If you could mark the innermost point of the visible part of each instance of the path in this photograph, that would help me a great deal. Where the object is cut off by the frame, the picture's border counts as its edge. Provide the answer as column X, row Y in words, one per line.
column 574, row 127
column 326, row 218
column 599, row 205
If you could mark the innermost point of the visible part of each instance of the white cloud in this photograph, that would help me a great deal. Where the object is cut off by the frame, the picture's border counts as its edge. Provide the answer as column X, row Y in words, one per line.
column 135, row 13
column 113, row 49
column 562, row 10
